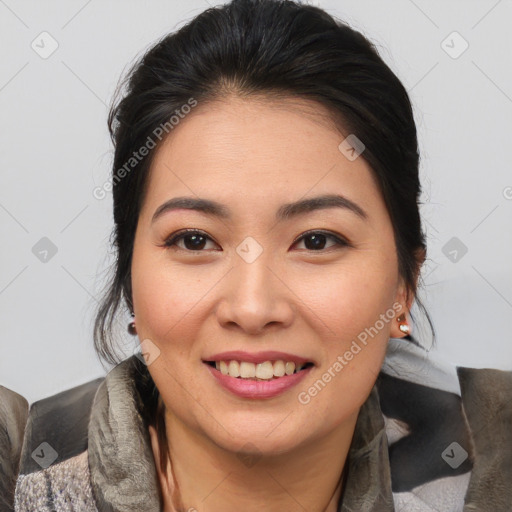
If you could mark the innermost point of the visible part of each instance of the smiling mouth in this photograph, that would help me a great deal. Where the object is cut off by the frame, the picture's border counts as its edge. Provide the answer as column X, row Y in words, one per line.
column 269, row 370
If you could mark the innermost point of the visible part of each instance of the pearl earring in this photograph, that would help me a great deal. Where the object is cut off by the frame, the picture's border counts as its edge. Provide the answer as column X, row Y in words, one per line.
column 403, row 326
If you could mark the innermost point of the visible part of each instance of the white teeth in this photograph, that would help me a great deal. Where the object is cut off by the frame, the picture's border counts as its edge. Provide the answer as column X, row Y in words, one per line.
column 262, row 371
column 234, row 369
column 247, row 370
column 279, row 368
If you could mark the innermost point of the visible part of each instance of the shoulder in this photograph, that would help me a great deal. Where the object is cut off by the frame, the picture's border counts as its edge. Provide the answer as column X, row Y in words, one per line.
column 13, row 418
column 438, row 417
column 486, row 390
column 60, row 422
column 70, row 442
column 487, row 401
column 55, row 443
column 420, row 400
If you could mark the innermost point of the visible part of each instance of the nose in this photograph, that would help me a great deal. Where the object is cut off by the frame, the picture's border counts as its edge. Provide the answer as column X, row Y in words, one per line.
column 255, row 298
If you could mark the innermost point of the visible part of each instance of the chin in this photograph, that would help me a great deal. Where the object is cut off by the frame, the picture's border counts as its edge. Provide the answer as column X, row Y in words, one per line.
column 266, row 438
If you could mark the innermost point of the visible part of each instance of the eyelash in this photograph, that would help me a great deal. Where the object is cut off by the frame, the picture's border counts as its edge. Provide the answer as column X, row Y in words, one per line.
column 171, row 241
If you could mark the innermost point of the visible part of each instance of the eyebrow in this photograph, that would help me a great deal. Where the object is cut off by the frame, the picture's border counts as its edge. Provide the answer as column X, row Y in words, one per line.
column 285, row 212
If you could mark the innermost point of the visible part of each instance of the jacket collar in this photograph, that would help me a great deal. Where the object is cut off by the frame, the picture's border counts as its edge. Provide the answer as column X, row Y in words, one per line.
column 487, row 401
column 122, row 468
column 121, row 463
column 368, row 484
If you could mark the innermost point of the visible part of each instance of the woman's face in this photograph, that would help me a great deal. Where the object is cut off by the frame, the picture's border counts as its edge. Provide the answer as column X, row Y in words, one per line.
column 265, row 275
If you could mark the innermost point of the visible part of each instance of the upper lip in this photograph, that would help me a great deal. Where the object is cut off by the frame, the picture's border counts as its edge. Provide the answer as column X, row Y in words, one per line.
column 258, row 357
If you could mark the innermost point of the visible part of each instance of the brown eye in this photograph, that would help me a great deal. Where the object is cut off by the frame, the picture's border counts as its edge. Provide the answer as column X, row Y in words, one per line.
column 193, row 240
column 316, row 240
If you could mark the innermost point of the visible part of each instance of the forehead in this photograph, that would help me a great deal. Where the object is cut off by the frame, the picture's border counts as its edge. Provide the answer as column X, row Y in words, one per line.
column 258, row 151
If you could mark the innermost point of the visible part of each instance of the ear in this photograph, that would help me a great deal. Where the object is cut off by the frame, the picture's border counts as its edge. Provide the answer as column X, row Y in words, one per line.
column 402, row 312
column 404, row 301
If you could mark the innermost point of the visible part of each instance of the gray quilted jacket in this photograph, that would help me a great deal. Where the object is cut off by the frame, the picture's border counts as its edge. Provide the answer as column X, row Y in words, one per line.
column 429, row 438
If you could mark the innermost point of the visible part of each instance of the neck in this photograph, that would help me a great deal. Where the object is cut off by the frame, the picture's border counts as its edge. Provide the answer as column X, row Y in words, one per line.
column 208, row 477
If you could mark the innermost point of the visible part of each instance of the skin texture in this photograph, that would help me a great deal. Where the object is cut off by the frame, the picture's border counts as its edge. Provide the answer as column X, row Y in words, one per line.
column 254, row 155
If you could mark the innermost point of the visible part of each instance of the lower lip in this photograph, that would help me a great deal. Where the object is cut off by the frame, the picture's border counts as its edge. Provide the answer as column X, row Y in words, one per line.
column 247, row 388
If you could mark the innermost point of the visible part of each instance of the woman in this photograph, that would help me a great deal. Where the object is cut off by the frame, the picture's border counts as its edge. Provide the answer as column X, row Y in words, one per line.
column 269, row 245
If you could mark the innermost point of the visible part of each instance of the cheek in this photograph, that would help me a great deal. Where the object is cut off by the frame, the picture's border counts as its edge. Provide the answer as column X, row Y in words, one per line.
column 351, row 311
column 164, row 294
column 346, row 299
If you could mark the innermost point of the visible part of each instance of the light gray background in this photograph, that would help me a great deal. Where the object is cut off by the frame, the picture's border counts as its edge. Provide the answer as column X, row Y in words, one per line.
column 55, row 149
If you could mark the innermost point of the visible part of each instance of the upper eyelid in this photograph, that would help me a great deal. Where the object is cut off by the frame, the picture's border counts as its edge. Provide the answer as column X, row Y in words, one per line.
column 181, row 234
column 321, row 232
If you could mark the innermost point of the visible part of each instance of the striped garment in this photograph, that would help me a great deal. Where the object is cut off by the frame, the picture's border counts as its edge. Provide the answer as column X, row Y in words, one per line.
column 431, row 437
